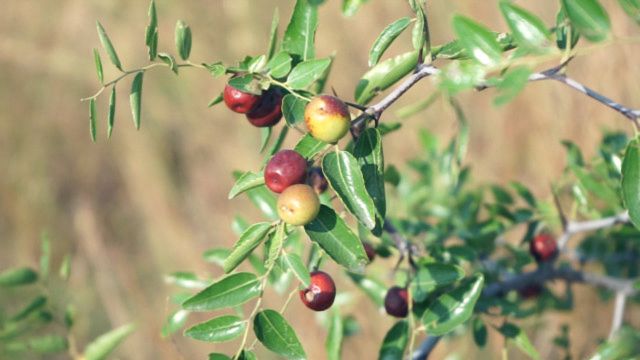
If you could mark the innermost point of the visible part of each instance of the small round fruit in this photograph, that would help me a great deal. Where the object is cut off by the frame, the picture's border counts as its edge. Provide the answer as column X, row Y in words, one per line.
column 327, row 118
column 298, row 205
column 320, row 294
column 317, row 180
column 284, row 169
column 395, row 302
column 543, row 247
column 239, row 101
column 371, row 252
column 268, row 111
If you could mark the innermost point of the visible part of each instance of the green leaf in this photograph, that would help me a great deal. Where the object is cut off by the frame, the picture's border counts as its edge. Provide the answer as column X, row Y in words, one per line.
column 513, row 82
column 308, row 146
column 246, row 83
column 395, row 342
column 265, row 136
column 233, row 290
column 589, row 18
column 151, row 36
column 174, row 322
column 135, row 98
column 420, row 32
column 374, row 289
column 479, row 42
column 301, row 31
column 386, row 37
column 273, row 331
column 273, row 34
column 631, row 181
column 454, row 307
column 187, row 280
column 183, row 39
column 98, row 61
column 293, row 109
column 350, row 7
column 333, row 344
column 632, row 8
column 220, row 329
column 65, row 268
column 337, row 240
column 216, row 69
column 430, row 276
column 564, row 29
column 280, row 65
column 111, row 116
column 524, row 193
column 528, row 30
column 18, row 277
column 247, row 181
column 299, row 269
column 479, row 332
column 345, row 178
column 217, row 100
column 248, row 241
column 169, row 60
column 92, row 119
column 101, row 347
column 384, row 75
column 368, row 151
column 306, row 72
column 108, row 46
column 34, row 305
column 275, row 246
column 218, row 356
column 264, row 200
column 520, row 339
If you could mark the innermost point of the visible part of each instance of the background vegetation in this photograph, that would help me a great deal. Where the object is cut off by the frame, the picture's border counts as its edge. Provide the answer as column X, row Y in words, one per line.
column 149, row 202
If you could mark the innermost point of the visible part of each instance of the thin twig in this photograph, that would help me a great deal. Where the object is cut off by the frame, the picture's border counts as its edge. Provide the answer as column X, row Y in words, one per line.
column 575, row 227
column 618, row 313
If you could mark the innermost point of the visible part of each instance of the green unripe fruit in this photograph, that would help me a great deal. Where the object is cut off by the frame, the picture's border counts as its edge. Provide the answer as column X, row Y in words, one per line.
column 298, row 205
column 327, row 118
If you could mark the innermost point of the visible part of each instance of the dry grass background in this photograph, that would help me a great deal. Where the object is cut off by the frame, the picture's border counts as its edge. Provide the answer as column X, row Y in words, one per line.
column 149, row 202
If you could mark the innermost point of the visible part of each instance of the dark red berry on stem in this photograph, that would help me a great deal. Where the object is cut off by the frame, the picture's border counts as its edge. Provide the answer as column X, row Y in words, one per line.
column 267, row 111
column 396, row 302
column 317, row 180
column 371, row 252
column 285, row 168
column 239, row 101
column 320, row 294
column 543, row 247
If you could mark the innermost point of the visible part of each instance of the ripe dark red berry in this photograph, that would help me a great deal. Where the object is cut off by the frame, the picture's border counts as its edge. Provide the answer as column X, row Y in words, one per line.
column 320, row 294
column 396, row 302
column 371, row 252
column 239, row 101
column 268, row 111
column 284, row 169
column 316, row 180
column 543, row 247
column 530, row 291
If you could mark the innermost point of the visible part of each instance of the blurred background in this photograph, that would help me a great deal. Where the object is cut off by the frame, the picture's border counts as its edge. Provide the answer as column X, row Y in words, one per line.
column 149, row 202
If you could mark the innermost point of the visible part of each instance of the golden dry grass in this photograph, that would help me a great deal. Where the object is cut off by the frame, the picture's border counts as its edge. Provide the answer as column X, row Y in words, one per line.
column 148, row 202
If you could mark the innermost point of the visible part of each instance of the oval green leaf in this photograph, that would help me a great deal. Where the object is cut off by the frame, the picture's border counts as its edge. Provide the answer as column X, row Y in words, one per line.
column 301, row 31
column 98, row 61
column 305, row 73
column 220, row 329
column 174, row 322
column 336, row 239
column 273, row 34
column 299, row 269
column 280, row 65
column 308, row 146
column 273, row 331
column 395, row 342
column 589, row 18
column 386, row 37
column 368, row 151
column 479, row 42
column 631, row 181
column 453, row 308
column 430, row 276
column 248, row 241
column 233, row 290
column 111, row 116
column 528, row 30
column 108, row 46
column 293, row 109
column 247, row 181
column 18, row 277
column 564, row 29
column 183, row 39
column 135, row 98
column 384, row 75
column 92, row 119
column 101, row 347
column 151, row 35
column 333, row 344
column 345, row 178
